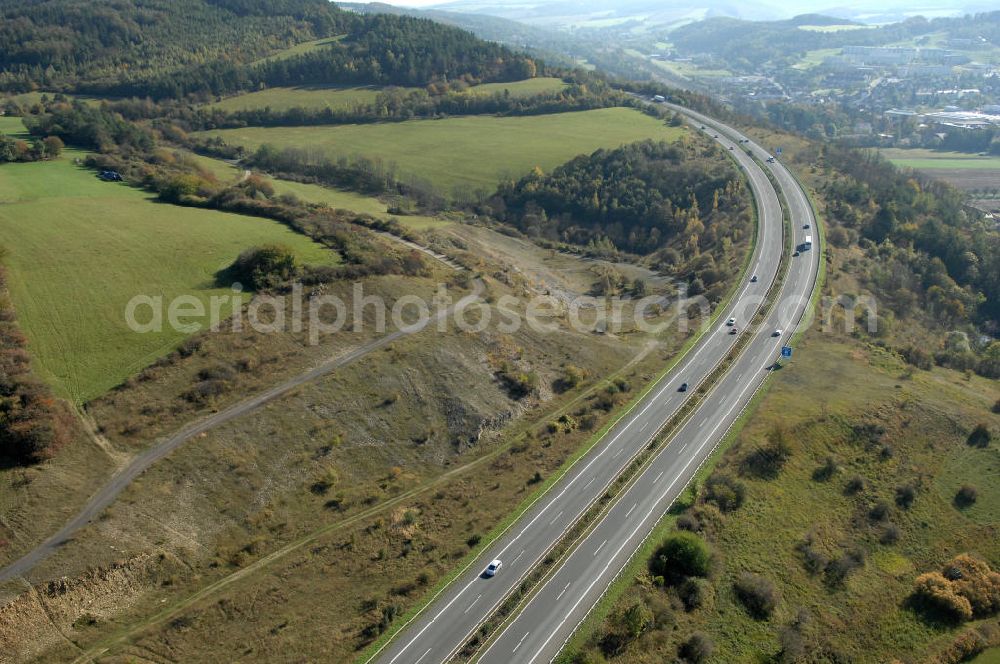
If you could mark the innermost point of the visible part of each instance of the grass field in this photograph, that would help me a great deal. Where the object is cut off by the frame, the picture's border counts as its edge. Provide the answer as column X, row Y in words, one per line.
column 314, row 193
column 921, row 159
column 310, row 97
column 345, row 98
column 991, row 656
column 473, row 152
column 299, row 49
column 80, row 249
column 10, row 126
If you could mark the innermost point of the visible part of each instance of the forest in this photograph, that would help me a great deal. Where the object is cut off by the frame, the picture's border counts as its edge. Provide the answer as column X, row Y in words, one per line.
column 949, row 249
column 172, row 49
column 670, row 201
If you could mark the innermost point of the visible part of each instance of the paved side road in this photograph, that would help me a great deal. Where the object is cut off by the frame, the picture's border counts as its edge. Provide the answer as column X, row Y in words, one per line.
column 125, row 476
column 444, row 627
column 550, row 617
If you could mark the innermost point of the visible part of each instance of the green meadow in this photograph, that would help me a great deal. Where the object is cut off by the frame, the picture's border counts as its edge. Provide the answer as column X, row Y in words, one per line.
column 931, row 159
column 314, row 193
column 315, row 97
column 474, row 152
column 79, row 249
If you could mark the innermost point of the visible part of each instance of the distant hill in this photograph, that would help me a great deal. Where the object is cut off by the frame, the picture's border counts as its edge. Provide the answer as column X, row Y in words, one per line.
column 175, row 48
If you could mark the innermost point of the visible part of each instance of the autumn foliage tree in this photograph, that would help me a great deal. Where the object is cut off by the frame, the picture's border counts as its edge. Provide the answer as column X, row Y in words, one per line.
column 964, row 589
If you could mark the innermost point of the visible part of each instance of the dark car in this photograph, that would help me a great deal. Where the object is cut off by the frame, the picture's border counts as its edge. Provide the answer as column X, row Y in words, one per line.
column 753, row 279
column 683, row 387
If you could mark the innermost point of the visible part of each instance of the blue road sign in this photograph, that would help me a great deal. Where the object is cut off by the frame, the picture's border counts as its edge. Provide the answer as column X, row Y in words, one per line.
column 786, row 351
column 778, row 151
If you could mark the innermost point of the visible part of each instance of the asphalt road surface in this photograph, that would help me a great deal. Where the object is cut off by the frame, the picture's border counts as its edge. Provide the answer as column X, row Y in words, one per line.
column 549, row 618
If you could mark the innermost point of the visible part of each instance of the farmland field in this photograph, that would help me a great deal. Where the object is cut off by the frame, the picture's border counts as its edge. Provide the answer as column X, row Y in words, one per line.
column 79, row 249
column 314, row 193
column 971, row 172
column 930, row 159
column 473, row 152
column 345, row 98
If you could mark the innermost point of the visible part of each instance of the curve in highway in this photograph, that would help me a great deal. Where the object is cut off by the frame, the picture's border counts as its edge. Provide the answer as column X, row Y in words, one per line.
column 544, row 624
column 445, row 625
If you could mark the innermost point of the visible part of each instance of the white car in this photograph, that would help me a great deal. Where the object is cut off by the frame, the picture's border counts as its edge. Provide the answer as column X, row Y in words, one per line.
column 493, row 568
column 731, row 322
column 777, row 333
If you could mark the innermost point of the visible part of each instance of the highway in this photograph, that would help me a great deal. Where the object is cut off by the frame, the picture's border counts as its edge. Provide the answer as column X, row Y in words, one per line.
column 541, row 628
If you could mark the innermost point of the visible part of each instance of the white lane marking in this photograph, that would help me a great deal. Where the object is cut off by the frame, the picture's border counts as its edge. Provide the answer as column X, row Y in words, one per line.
column 644, row 427
column 739, row 398
column 591, row 481
column 600, row 547
column 521, row 641
column 703, row 423
column 518, row 556
column 630, row 510
column 626, row 540
column 618, row 453
column 473, row 603
column 559, row 596
column 772, row 199
column 683, row 447
column 422, row 656
column 556, row 518
column 658, row 477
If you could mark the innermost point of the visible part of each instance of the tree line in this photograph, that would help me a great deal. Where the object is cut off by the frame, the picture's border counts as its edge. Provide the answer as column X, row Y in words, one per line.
column 39, row 149
column 33, row 424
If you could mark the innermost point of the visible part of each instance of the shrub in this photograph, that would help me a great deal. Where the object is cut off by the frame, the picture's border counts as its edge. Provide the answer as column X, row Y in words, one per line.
column 837, row 570
column 980, row 436
column 965, row 588
column 264, row 266
column 966, row 496
column 688, row 521
column 905, row 495
column 757, row 594
column 825, row 472
column 879, row 511
column 698, row 648
column 474, row 540
column 726, row 492
column 682, row 554
column 890, row 535
column 635, row 620
column 996, row 407
column 693, row 593
column 572, row 377
column 854, row 485
column 767, row 460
